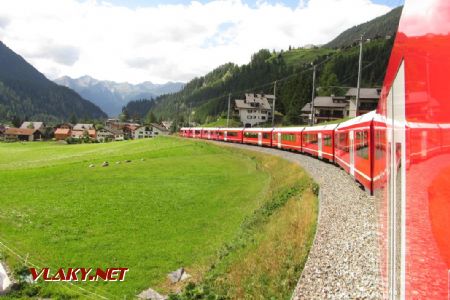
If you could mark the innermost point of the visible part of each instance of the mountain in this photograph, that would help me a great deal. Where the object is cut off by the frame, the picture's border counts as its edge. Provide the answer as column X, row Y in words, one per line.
column 112, row 96
column 27, row 93
column 205, row 98
column 380, row 27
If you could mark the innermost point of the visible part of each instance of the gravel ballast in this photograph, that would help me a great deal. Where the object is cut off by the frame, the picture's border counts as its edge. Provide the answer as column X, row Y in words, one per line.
column 344, row 260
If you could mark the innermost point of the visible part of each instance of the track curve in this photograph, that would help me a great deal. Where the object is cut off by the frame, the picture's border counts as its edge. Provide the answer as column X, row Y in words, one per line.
column 344, row 261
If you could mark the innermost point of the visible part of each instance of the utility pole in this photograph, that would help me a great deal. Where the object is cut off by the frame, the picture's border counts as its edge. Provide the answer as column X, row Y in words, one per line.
column 228, row 114
column 313, row 95
column 359, row 74
column 274, row 102
column 189, row 117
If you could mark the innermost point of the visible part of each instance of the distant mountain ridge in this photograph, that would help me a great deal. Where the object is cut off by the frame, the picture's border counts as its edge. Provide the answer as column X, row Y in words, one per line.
column 27, row 93
column 111, row 96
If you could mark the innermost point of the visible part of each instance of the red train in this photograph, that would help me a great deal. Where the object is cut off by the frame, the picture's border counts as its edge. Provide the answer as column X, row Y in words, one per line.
column 400, row 153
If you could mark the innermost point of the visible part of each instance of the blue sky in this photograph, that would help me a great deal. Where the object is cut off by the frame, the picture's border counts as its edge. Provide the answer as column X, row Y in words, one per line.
column 290, row 3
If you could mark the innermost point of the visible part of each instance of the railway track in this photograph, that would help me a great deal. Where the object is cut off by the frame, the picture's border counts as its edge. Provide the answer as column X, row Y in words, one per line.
column 345, row 256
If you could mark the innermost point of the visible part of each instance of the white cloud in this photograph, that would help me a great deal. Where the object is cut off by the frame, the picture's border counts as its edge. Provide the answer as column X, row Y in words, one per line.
column 165, row 42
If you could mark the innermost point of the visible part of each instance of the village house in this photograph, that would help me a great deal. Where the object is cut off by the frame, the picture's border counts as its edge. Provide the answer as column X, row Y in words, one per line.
column 83, row 127
column 368, row 100
column 33, row 125
column 62, row 133
column 143, row 132
column 255, row 109
column 21, row 134
column 128, row 130
column 109, row 134
column 167, row 124
column 159, row 129
column 328, row 108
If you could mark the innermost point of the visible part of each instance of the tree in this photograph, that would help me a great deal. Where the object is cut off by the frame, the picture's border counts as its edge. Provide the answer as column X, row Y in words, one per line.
column 151, row 118
column 16, row 122
column 73, row 119
column 124, row 117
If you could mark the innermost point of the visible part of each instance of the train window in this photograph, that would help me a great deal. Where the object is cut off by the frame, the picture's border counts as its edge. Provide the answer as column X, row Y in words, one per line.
column 288, row 137
column 197, row 132
column 266, row 135
column 252, row 135
column 310, row 138
column 362, row 144
column 327, row 140
column 380, row 144
column 342, row 141
column 232, row 133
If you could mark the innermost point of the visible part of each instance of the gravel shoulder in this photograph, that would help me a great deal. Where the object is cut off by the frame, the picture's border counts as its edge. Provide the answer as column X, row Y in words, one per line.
column 344, row 260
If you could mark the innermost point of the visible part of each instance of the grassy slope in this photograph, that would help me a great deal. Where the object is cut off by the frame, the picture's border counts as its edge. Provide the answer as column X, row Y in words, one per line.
column 223, row 123
column 174, row 209
column 298, row 57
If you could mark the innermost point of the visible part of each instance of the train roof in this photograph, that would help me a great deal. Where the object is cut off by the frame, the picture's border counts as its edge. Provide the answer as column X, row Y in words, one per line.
column 231, row 128
column 259, row 129
column 288, row 129
column 360, row 119
column 321, row 127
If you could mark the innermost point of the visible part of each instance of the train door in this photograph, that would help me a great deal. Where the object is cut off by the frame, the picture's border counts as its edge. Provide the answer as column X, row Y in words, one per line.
column 260, row 138
column 225, row 136
column 351, row 152
column 279, row 140
column 319, row 144
column 396, row 186
column 209, row 134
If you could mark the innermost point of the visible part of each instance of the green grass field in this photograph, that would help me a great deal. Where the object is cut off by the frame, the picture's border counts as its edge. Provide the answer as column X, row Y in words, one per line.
column 175, row 208
column 177, row 203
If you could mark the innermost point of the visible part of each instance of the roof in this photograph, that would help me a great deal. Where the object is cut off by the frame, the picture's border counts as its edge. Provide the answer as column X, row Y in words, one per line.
column 365, row 93
column 36, row 125
column 113, row 130
column 259, row 99
column 20, row 131
column 321, row 127
column 77, row 132
column 62, row 131
column 80, row 126
column 159, row 127
column 258, row 129
column 209, row 128
column 327, row 101
column 360, row 119
column 288, row 129
column 231, row 129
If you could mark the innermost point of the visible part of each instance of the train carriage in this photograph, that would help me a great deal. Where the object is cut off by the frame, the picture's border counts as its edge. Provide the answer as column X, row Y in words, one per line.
column 354, row 148
column 210, row 133
column 196, row 132
column 258, row 136
column 230, row 134
column 319, row 141
column 416, row 206
column 289, row 138
column 185, row 132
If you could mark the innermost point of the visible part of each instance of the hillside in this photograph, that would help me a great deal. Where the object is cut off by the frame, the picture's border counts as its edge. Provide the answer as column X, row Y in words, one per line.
column 111, row 96
column 27, row 93
column 206, row 97
column 380, row 27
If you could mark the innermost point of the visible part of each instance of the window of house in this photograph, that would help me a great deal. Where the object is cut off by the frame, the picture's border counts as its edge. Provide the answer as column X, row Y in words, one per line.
column 263, row 117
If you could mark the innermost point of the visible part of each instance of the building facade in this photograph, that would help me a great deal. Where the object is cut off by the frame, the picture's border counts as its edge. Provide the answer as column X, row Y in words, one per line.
column 254, row 109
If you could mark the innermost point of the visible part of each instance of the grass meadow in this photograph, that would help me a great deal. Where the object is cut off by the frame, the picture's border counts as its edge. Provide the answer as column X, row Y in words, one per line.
column 177, row 203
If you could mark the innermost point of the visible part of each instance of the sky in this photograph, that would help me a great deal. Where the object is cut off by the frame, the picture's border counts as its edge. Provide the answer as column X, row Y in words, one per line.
column 160, row 41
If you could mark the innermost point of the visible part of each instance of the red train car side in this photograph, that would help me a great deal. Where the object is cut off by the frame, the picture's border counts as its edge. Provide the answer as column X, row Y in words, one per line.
column 289, row 138
column 230, row 134
column 258, row 136
column 210, row 133
column 319, row 141
column 353, row 148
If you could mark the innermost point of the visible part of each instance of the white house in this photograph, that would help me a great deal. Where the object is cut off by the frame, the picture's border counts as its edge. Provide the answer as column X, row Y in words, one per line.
column 255, row 109
column 159, row 130
column 143, row 132
column 107, row 133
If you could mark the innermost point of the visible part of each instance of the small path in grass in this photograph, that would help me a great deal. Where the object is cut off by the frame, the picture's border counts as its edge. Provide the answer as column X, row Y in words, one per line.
column 344, row 261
